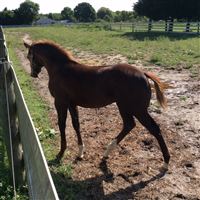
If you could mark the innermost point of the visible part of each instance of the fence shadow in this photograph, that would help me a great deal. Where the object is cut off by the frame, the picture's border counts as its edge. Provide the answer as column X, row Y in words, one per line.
column 153, row 36
column 92, row 188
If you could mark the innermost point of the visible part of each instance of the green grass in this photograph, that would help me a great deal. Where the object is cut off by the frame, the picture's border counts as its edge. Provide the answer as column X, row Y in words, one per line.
column 170, row 51
column 167, row 50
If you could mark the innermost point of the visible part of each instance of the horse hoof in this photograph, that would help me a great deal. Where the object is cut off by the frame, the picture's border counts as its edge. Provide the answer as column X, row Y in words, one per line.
column 81, row 151
column 78, row 159
column 105, row 158
column 164, row 168
column 110, row 147
column 80, row 156
column 59, row 156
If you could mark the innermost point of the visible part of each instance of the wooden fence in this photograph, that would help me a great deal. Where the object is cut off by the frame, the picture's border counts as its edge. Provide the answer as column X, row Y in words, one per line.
column 169, row 26
column 20, row 135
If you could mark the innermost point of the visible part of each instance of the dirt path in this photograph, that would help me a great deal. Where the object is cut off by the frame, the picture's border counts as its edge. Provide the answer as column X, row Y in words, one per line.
column 126, row 174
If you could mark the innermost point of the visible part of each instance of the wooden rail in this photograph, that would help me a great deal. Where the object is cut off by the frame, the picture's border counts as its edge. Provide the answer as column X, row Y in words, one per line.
column 177, row 27
column 23, row 134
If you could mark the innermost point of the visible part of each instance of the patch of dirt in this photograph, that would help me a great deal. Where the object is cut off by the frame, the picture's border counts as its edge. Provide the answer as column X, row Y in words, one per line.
column 132, row 169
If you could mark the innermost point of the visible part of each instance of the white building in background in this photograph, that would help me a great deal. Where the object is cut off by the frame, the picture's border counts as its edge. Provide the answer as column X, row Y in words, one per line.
column 45, row 21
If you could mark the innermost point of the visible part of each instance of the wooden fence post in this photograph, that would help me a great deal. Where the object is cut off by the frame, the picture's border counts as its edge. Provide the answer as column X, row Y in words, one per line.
column 132, row 27
column 150, row 25
column 3, row 53
column 187, row 27
column 198, row 27
column 16, row 144
column 166, row 25
column 171, row 25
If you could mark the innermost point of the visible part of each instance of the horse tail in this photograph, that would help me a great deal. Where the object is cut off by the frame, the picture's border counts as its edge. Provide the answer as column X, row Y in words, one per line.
column 159, row 87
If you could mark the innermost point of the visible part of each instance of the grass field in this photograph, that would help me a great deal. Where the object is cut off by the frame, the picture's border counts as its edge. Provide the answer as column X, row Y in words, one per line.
column 167, row 50
column 174, row 51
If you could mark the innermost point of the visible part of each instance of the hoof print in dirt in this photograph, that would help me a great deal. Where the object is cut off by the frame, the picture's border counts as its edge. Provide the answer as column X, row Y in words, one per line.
column 188, row 165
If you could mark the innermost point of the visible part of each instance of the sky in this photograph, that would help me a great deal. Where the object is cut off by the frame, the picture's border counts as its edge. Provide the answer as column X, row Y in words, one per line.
column 48, row 6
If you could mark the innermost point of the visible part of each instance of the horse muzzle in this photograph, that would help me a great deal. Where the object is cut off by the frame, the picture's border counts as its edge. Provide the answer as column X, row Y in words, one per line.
column 34, row 75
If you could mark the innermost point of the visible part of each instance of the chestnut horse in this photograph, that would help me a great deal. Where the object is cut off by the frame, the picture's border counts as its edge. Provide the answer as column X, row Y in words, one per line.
column 73, row 84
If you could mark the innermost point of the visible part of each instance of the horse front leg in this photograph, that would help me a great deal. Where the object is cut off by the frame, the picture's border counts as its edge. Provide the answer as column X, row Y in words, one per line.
column 62, row 109
column 75, row 122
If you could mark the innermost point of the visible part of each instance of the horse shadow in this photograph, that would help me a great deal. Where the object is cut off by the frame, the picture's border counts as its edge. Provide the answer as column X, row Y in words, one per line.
column 93, row 188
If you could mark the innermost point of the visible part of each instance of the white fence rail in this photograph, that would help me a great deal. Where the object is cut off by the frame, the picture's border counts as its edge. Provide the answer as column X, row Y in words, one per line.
column 176, row 27
column 40, row 183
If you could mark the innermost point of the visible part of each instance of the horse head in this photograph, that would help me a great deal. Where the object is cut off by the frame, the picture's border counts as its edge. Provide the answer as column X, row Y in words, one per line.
column 35, row 61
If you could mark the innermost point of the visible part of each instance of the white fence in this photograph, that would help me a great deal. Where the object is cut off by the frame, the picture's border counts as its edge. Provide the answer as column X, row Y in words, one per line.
column 21, row 135
column 176, row 27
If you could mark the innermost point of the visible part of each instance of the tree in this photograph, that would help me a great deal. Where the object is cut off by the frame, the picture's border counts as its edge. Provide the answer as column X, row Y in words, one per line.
column 124, row 16
column 7, row 17
column 153, row 9
column 84, row 12
column 54, row 16
column 27, row 12
column 105, row 14
column 168, row 9
column 67, row 14
column 189, row 10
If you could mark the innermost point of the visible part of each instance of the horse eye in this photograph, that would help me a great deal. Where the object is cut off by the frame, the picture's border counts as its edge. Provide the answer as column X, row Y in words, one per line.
column 29, row 56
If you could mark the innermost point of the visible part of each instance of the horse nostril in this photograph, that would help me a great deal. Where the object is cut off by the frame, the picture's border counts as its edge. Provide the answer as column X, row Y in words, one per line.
column 34, row 75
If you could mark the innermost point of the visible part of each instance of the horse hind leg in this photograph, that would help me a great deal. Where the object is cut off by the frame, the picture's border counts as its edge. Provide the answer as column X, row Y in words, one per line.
column 128, row 125
column 75, row 122
column 147, row 121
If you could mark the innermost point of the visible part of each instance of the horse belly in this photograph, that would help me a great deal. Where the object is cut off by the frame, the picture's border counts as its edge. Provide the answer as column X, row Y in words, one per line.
column 95, row 100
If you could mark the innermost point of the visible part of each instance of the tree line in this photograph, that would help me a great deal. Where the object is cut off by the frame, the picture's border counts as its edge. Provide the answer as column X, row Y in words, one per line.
column 186, row 10
column 28, row 12
column 25, row 14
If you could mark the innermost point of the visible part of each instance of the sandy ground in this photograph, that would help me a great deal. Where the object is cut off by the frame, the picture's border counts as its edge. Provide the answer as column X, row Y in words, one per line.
column 132, row 169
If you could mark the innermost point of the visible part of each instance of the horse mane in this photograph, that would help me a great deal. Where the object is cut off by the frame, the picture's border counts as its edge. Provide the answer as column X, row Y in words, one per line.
column 55, row 50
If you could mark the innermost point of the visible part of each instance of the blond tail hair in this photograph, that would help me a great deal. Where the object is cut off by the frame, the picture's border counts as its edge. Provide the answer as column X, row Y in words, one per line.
column 159, row 87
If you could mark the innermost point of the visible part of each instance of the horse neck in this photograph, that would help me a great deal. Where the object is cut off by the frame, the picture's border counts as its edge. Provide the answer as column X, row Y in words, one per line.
column 54, row 67
column 48, row 62
column 55, row 62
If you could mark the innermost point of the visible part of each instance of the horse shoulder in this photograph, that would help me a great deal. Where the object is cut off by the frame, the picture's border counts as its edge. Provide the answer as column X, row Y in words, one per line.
column 51, row 88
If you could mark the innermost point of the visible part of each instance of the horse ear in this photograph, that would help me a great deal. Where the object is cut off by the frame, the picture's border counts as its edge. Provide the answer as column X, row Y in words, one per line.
column 27, row 44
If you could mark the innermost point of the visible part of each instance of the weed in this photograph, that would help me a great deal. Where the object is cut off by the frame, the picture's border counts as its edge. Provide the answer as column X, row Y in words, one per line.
column 183, row 98
column 47, row 133
column 64, row 170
